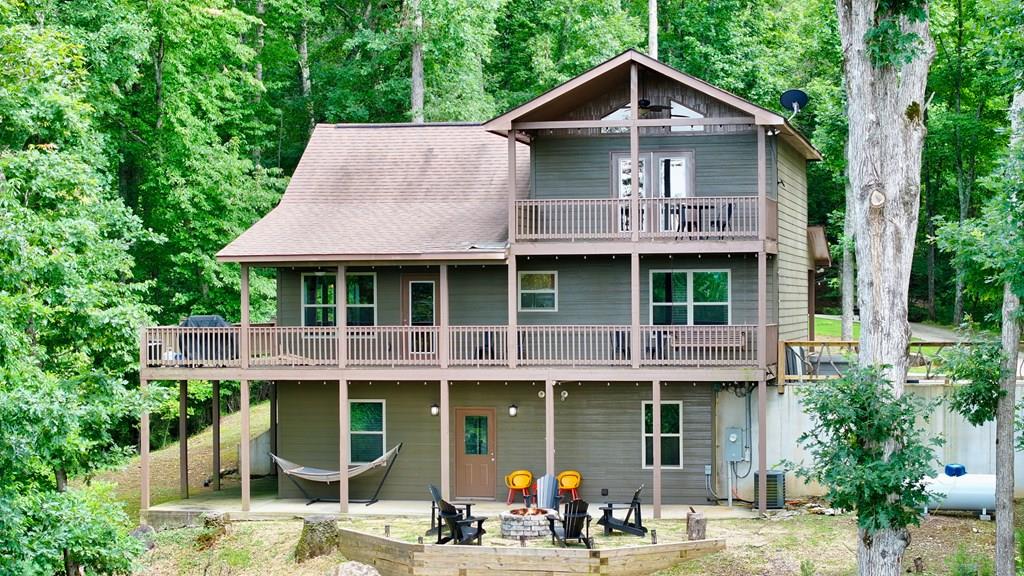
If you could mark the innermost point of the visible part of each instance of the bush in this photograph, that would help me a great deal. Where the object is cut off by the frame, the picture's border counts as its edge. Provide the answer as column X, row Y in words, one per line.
column 964, row 563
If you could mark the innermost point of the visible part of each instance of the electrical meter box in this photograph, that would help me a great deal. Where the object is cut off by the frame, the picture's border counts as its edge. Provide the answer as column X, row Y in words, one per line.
column 733, row 444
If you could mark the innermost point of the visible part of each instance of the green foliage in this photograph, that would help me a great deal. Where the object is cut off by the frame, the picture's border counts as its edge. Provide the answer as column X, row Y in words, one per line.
column 963, row 563
column 866, row 447
column 36, row 527
column 889, row 43
column 977, row 370
column 807, row 568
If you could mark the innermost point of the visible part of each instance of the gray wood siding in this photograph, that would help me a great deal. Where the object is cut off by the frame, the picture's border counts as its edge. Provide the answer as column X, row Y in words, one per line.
column 478, row 295
column 792, row 259
column 591, row 291
column 597, row 431
column 580, row 167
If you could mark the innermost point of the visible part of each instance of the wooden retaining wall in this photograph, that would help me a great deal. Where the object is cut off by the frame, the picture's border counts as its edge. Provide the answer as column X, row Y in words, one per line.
column 394, row 558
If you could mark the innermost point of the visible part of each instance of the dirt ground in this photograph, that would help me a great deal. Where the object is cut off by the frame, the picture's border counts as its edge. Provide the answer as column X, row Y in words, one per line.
column 754, row 547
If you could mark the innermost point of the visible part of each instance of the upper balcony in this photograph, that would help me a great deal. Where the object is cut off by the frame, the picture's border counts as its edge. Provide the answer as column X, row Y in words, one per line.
column 271, row 347
column 694, row 218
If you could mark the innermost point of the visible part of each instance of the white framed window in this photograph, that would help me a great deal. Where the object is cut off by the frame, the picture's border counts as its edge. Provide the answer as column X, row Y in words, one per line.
column 367, row 430
column 319, row 294
column 690, row 297
column 671, row 434
column 681, row 111
column 538, row 291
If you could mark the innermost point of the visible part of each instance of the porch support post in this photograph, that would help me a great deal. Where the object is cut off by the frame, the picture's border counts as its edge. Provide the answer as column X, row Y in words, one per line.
column 634, row 306
column 512, row 350
column 656, row 440
column 446, row 442
column 762, row 322
column 634, row 152
column 443, row 338
column 144, row 450
column 549, row 427
column 243, row 337
column 244, row 467
column 762, row 445
column 512, row 185
column 273, row 424
column 183, row 438
column 343, row 445
column 216, row 434
column 341, row 314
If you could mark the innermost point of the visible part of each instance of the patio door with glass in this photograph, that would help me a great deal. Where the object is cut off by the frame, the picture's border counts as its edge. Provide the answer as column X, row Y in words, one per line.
column 475, row 466
column 624, row 187
column 419, row 309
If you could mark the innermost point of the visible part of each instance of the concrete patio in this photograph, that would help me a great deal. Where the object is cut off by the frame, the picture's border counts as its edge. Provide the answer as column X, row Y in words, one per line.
column 266, row 506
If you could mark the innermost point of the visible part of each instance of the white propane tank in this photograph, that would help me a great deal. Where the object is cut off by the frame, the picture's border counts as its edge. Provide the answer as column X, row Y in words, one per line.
column 966, row 492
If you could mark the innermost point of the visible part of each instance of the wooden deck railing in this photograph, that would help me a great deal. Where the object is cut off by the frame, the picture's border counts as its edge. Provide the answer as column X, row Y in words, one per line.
column 573, row 345
column 191, row 347
column 572, row 219
column 478, row 345
column 379, row 346
column 392, row 345
column 700, row 218
column 692, row 218
column 734, row 345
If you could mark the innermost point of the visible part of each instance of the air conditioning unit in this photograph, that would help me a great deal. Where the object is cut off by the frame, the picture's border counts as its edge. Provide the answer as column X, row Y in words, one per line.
column 776, row 491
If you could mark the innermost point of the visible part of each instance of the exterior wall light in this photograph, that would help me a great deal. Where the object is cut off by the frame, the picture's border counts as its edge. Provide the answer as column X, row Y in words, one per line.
column 435, row 409
column 513, row 410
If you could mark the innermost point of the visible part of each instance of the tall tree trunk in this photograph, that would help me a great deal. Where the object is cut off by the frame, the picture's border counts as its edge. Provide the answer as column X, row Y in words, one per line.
column 962, row 190
column 260, row 12
column 848, row 277
column 158, row 81
column 1005, row 411
column 61, row 477
column 417, row 62
column 886, row 137
column 307, row 86
column 652, row 28
column 929, row 187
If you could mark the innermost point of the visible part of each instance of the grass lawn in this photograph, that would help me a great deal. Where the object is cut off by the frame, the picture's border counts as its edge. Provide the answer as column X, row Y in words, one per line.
column 754, row 547
column 164, row 462
column 831, row 328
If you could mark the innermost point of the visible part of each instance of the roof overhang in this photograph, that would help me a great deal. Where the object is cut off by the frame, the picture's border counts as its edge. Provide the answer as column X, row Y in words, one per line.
column 817, row 248
column 578, row 90
column 469, row 256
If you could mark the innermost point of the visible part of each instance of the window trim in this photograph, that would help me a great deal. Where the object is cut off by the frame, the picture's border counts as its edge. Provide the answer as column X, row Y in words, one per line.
column 383, row 424
column 689, row 295
column 519, row 291
column 302, row 299
column 644, row 435
column 652, row 180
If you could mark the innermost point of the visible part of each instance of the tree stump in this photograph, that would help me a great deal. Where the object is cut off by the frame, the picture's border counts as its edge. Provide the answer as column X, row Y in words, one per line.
column 319, row 537
column 215, row 525
column 696, row 526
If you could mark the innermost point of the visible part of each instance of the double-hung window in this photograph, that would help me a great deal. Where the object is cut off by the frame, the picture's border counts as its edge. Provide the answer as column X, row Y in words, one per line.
column 366, row 431
column 671, row 434
column 319, row 293
column 690, row 297
column 538, row 291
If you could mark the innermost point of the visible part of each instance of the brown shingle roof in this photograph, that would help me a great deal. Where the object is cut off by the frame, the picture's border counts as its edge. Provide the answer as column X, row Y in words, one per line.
column 390, row 190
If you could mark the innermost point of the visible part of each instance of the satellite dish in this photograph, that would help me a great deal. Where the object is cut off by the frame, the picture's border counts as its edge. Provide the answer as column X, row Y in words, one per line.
column 793, row 100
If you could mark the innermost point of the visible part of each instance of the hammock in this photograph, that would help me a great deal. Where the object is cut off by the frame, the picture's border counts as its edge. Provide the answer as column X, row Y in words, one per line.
column 293, row 471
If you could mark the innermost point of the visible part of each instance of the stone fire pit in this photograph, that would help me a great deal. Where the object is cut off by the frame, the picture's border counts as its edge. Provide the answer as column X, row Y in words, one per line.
column 528, row 522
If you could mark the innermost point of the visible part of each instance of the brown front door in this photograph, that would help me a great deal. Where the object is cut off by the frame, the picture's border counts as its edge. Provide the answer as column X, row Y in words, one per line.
column 474, row 453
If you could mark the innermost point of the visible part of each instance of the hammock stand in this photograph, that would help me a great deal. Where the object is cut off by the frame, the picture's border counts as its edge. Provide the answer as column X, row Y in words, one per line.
column 293, row 471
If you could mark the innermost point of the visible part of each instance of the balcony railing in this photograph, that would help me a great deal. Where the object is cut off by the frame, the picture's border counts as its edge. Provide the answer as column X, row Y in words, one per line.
column 592, row 218
column 573, row 345
column 693, row 218
column 386, row 346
